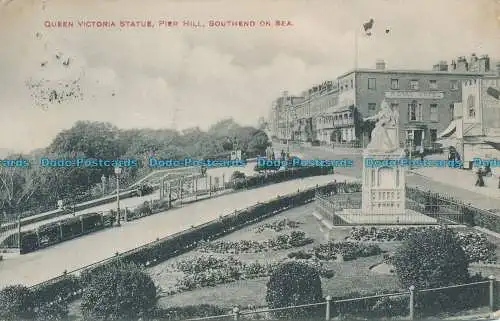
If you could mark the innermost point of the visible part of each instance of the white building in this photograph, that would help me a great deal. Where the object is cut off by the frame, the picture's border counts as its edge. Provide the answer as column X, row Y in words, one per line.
column 475, row 129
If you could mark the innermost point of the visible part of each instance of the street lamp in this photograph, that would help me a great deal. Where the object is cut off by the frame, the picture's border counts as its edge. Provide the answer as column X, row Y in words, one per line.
column 118, row 171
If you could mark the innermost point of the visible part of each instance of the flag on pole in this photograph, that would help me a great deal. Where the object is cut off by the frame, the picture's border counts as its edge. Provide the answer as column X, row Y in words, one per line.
column 368, row 26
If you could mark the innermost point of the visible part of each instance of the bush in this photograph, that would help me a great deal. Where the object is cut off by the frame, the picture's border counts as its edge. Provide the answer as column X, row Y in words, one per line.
column 237, row 175
column 431, row 258
column 300, row 255
column 291, row 284
column 16, row 303
column 348, row 250
column 121, row 291
column 188, row 312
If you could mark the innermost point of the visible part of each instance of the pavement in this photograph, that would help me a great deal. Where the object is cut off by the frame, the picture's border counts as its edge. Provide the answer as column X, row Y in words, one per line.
column 32, row 268
column 457, row 183
column 221, row 172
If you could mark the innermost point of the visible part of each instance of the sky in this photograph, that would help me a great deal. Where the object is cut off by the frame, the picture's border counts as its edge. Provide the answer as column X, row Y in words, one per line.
column 154, row 77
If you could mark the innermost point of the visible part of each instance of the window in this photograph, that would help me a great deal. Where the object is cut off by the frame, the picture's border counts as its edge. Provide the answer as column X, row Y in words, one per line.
column 454, row 85
column 452, row 111
column 471, row 106
column 434, row 135
column 372, row 106
column 434, row 112
column 352, row 83
column 414, row 111
column 372, row 83
column 433, row 84
column 394, row 84
column 414, row 84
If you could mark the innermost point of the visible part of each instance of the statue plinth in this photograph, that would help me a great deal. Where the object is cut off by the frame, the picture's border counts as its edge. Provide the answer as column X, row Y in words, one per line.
column 384, row 183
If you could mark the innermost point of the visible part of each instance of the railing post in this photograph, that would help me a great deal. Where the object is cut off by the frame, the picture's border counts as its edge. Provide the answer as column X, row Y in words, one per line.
column 236, row 313
column 412, row 302
column 328, row 307
column 492, row 292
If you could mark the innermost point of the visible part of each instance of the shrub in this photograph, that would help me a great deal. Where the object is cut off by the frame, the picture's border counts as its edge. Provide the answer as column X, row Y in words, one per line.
column 120, row 291
column 237, row 175
column 54, row 311
column 188, row 312
column 291, row 284
column 431, row 258
column 300, row 255
column 16, row 303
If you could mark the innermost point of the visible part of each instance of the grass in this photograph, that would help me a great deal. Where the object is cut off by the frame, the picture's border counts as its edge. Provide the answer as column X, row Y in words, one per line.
column 350, row 276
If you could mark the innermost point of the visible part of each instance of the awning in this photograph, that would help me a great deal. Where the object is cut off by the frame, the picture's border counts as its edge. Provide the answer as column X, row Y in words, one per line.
column 450, row 130
column 447, row 142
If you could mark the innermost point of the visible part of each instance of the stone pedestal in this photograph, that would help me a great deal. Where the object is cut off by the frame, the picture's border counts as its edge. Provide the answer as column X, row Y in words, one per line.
column 383, row 186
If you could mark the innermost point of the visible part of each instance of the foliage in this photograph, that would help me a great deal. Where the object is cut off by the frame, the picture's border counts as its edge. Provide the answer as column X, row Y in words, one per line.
column 237, row 175
column 187, row 312
column 300, row 255
column 174, row 245
column 281, row 242
column 476, row 245
column 347, row 250
column 16, row 303
column 119, row 292
column 291, row 284
column 431, row 258
column 29, row 188
column 278, row 226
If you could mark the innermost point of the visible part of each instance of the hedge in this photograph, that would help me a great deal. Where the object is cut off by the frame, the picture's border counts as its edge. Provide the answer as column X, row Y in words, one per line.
column 278, row 177
column 56, row 232
column 173, row 245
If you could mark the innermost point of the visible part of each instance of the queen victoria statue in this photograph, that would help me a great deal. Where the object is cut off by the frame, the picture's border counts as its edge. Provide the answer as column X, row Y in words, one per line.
column 384, row 137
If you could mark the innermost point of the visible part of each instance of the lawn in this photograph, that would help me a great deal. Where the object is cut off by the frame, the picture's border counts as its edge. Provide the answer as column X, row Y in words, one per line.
column 350, row 276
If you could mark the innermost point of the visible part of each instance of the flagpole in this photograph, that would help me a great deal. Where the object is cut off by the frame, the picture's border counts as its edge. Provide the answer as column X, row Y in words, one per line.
column 356, row 50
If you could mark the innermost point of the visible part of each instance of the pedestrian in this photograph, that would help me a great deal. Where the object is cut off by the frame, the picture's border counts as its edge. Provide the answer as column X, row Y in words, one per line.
column 334, row 187
column 479, row 179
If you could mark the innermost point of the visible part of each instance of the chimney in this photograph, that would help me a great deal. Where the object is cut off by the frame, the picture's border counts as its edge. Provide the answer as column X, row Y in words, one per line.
column 498, row 68
column 484, row 63
column 453, row 65
column 285, row 93
column 380, row 64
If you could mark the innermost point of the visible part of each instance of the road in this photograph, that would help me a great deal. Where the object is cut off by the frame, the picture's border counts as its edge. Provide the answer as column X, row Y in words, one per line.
column 476, row 199
column 36, row 267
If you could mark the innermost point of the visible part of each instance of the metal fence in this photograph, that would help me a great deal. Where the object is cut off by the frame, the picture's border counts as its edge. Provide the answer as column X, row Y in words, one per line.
column 345, row 209
column 441, row 207
column 413, row 305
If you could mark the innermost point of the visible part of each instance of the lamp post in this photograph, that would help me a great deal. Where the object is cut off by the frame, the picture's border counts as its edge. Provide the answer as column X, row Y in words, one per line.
column 118, row 171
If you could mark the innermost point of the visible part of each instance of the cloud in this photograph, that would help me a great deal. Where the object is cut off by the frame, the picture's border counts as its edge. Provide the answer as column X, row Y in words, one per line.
column 139, row 78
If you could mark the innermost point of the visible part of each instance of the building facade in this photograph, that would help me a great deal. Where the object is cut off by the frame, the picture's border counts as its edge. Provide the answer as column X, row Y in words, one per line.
column 476, row 133
column 427, row 101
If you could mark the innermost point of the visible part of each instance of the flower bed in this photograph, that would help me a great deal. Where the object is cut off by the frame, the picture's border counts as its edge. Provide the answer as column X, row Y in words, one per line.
column 278, row 226
column 281, row 242
column 476, row 245
column 181, row 242
column 347, row 250
column 209, row 271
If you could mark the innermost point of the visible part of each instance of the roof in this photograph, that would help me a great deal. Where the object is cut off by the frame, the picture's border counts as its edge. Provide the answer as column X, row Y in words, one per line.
column 415, row 71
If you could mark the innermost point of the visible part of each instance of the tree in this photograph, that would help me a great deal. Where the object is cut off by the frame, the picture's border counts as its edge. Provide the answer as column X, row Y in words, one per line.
column 292, row 284
column 119, row 292
column 258, row 143
column 431, row 258
column 17, row 186
column 16, row 303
